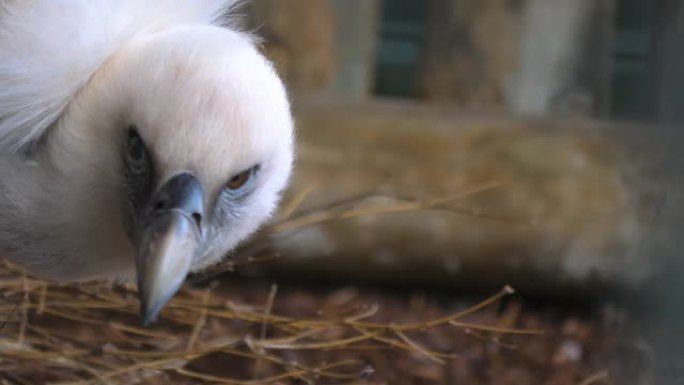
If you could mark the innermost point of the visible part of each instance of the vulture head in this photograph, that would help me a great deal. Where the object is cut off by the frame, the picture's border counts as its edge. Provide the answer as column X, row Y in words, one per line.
column 147, row 158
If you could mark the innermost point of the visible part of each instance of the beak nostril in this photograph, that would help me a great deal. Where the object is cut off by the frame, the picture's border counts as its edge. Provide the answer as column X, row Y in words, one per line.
column 160, row 205
column 198, row 219
column 181, row 194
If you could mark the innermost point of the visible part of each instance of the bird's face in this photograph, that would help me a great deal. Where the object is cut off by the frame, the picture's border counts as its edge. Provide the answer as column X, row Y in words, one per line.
column 204, row 146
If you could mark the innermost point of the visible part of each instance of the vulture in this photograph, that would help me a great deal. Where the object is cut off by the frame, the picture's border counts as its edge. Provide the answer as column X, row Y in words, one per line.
column 139, row 140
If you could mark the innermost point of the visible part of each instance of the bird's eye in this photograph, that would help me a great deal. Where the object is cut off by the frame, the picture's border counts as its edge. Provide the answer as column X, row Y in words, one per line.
column 240, row 180
column 136, row 151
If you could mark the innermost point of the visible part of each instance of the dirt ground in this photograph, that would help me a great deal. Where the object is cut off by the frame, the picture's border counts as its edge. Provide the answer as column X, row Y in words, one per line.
column 599, row 344
column 317, row 334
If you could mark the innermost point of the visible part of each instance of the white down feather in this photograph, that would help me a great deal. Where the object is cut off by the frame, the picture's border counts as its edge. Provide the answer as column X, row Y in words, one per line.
column 44, row 61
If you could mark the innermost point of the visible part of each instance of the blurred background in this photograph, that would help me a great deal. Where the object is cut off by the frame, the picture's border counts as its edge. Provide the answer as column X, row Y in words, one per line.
column 461, row 145
column 457, row 146
column 614, row 59
column 474, row 143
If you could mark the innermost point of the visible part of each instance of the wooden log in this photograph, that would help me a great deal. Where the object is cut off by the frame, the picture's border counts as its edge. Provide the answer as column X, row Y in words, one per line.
column 406, row 193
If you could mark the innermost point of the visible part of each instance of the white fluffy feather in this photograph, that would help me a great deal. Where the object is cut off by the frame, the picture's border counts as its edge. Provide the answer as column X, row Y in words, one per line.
column 50, row 48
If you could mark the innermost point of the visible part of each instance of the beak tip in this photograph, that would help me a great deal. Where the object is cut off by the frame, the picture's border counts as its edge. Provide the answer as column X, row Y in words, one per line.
column 163, row 261
column 152, row 301
column 154, row 297
column 148, row 315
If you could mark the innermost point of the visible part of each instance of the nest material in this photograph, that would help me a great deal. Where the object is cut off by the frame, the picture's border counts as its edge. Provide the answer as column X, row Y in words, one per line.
column 90, row 334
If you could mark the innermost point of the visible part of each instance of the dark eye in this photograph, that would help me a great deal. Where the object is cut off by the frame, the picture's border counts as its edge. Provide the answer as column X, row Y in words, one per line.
column 240, row 180
column 136, row 152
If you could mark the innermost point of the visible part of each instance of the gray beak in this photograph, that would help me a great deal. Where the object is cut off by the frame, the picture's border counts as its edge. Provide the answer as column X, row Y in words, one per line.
column 170, row 235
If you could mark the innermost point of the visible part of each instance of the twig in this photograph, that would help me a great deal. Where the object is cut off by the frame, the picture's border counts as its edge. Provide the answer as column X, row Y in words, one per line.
column 396, row 207
column 293, row 204
column 41, row 299
column 264, row 325
column 25, row 299
column 601, row 376
column 200, row 321
column 419, row 348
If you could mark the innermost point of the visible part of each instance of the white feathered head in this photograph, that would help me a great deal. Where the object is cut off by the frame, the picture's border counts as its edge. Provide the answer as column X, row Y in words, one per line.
column 150, row 138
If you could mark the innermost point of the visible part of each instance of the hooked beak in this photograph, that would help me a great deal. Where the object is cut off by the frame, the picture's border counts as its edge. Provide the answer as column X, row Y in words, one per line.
column 170, row 235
